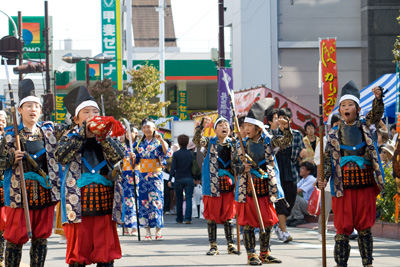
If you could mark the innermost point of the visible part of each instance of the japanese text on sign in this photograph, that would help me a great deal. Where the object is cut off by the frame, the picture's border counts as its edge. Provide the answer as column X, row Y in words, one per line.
column 60, row 111
column 182, row 105
column 111, row 41
column 329, row 74
column 225, row 83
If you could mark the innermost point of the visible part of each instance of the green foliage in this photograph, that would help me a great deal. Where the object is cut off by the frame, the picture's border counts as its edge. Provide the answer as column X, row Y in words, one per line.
column 146, row 86
column 111, row 98
column 385, row 203
column 396, row 50
column 143, row 103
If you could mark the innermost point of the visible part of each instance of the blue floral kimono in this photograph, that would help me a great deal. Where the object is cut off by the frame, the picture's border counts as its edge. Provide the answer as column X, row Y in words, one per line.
column 150, row 157
column 129, row 208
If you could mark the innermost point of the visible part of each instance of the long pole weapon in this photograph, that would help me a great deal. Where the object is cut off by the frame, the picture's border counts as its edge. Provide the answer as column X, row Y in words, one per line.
column 128, row 129
column 18, row 145
column 249, row 178
column 102, row 106
column 321, row 166
column 237, row 224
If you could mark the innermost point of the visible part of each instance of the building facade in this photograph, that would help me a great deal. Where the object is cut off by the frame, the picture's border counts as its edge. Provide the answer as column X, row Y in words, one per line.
column 275, row 43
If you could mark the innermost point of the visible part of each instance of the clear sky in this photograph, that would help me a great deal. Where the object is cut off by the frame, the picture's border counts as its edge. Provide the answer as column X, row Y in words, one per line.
column 196, row 22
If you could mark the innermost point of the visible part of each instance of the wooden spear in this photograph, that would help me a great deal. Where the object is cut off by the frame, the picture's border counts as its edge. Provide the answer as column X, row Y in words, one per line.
column 321, row 166
column 18, row 145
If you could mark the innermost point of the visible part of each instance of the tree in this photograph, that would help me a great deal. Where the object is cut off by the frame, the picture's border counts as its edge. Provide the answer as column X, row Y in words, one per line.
column 111, row 98
column 143, row 103
column 396, row 50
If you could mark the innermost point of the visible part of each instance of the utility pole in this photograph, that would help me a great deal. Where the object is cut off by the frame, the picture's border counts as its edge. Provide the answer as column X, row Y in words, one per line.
column 221, row 34
column 129, row 41
column 20, row 54
column 46, row 38
column 160, row 9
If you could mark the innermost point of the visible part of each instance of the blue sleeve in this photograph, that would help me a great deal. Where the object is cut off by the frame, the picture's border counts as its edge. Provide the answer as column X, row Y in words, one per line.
column 173, row 167
column 159, row 149
column 135, row 145
column 308, row 185
column 300, row 183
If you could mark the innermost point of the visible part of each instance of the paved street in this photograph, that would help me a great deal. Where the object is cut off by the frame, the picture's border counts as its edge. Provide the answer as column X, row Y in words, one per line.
column 186, row 245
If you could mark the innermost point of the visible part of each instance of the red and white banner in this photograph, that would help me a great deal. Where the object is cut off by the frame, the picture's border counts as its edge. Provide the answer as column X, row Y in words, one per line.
column 244, row 100
column 327, row 52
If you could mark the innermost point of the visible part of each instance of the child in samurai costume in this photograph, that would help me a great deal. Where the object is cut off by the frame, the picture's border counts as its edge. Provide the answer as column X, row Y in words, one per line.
column 353, row 165
column 91, row 195
column 218, row 181
column 3, row 124
column 42, row 178
column 259, row 146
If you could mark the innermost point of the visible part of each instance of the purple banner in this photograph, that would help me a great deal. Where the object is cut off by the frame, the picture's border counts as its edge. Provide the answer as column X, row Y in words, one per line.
column 225, row 83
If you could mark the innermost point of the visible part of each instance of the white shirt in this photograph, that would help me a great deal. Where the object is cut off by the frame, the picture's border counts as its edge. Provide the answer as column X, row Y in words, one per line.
column 307, row 185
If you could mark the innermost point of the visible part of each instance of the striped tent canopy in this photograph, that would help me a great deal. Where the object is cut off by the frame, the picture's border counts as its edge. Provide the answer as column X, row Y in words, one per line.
column 389, row 82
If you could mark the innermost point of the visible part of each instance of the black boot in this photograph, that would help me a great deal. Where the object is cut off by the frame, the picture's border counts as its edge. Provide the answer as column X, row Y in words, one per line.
column 249, row 240
column 365, row 245
column 77, row 265
column 228, row 227
column 265, row 247
column 13, row 254
column 212, row 237
column 2, row 242
column 105, row 264
column 38, row 252
column 341, row 251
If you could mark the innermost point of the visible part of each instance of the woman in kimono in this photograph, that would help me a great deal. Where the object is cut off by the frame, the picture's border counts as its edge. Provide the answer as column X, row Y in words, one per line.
column 130, row 224
column 151, row 151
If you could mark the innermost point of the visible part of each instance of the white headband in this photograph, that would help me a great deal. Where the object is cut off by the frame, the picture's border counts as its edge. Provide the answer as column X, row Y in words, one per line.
column 149, row 123
column 30, row 98
column 218, row 120
column 350, row 97
column 258, row 123
column 254, row 121
column 3, row 113
column 84, row 104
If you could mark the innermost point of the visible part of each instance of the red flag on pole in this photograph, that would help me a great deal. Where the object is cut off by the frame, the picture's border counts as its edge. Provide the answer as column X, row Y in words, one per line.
column 327, row 51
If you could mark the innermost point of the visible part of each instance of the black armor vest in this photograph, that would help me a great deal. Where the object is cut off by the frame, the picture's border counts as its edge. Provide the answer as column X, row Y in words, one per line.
column 92, row 152
column 256, row 151
column 351, row 135
column 38, row 196
column 38, row 153
column 97, row 199
column 224, row 156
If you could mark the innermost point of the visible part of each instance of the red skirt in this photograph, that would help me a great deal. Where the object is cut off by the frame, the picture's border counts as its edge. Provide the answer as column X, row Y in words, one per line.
column 41, row 223
column 219, row 209
column 93, row 240
column 3, row 218
column 356, row 209
column 247, row 214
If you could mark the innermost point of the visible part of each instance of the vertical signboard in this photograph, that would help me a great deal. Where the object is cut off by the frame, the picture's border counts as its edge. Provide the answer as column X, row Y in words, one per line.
column 111, row 40
column 94, row 71
column 32, row 29
column 182, row 105
column 60, row 111
column 327, row 51
column 225, row 83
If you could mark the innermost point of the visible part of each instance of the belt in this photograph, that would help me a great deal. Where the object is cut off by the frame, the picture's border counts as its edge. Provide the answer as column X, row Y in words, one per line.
column 150, row 165
column 127, row 165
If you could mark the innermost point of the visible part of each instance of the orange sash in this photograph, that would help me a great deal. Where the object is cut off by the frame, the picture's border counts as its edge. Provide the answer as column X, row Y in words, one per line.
column 150, row 165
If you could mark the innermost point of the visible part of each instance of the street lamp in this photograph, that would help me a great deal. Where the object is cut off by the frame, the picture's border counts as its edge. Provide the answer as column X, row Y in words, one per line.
column 73, row 58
